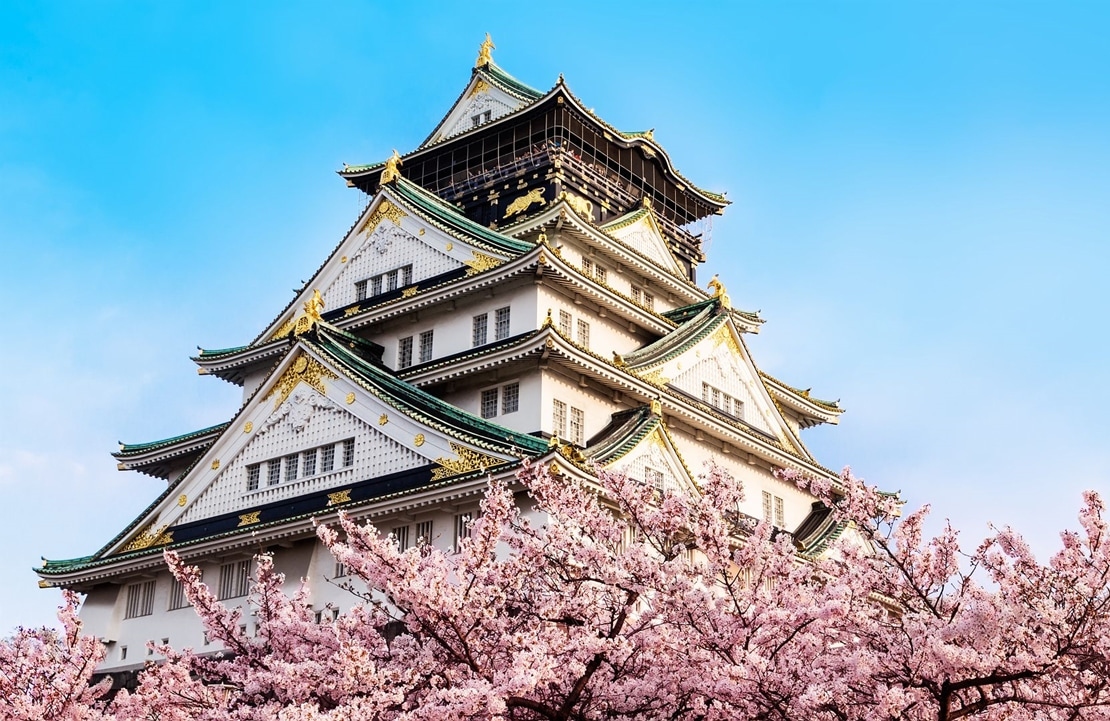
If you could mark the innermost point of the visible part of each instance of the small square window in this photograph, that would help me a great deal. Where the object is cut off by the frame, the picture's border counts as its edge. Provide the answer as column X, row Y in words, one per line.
column 376, row 285
column 489, row 403
column 510, row 398
column 292, row 462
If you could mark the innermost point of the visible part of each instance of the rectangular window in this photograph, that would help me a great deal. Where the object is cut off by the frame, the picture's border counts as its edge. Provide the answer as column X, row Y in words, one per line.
column 391, row 281
column 310, row 462
column 489, row 403
column 766, row 506
column 340, row 569
column 404, row 352
column 348, row 452
column 600, row 274
column 140, row 599
column 327, row 458
column 649, row 301
column 291, row 464
column 501, row 324
column 123, row 653
column 653, row 477
column 424, row 533
column 401, row 536
column 587, row 266
column 637, row 296
column 487, row 116
column 510, row 398
column 360, row 290
column 577, row 426
column 254, row 473
column 564, row 323
column 177, row 595
column 462, row 528
column 425, row 346
column 376, row 285
column 478, row 330
column 559, row 419
column 234, row 579
column 583, row 333
column 475, row 120
column 406, row 275
column 274, row 472
column 780, row 513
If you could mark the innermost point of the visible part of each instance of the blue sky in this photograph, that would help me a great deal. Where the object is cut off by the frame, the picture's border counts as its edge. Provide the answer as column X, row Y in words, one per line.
column 919, row 209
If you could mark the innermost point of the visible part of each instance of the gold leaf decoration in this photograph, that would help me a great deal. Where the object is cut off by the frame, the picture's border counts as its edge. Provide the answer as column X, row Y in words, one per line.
column 353, row 310
column 383, row 419
column 479, row 87
column 466, row 460
column 656, row 377
column 216, row 465
column 305, row 369
column 248, row 519
column 409, row 292
column 248, row 427
column 149, row 538
column 450, row 246
column 419, row 440
column 385, row 211
column 182, row 499
column 480, row 262
column 350, row 398
column 285, row 329
column 334, row 499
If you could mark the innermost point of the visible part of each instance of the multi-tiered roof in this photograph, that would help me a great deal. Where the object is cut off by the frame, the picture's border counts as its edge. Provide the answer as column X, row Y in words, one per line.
column 514, row 189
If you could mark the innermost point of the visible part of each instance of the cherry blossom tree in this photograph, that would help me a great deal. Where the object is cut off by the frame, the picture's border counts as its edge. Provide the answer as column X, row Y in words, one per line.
column 45, row 674
column 607, row 601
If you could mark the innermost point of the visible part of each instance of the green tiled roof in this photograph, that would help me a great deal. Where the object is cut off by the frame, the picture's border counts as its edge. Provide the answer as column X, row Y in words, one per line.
column 205, row 354
column 508, row 83
column 704, row 322
column 804, row 393
column 127, row 449
column 624, row 432
column 450, row 216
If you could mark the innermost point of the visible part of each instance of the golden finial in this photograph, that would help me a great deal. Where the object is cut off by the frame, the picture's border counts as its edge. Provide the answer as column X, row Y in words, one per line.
column 646, row 202
column 542, row 239
column 314, row 305
column 552, row 442
column 618, row 359
column 561, row 81
column 718, row 289
column 650, row 134
column 391, row 173
column 547, row 322
column 484, row 56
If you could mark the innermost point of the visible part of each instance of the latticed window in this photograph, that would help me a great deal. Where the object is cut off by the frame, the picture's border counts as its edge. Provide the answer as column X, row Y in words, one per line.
column 340, row 569
column 600, row 273
column 577, row 426
column 348, row 452
column 559, row 419
column 653, row 477
column 479, row 330
column 501, row 324
column 489, row 403
column 234, row 579
column 587, row 266
column 721, row 401
column 401, row 536
column 274, row 472
column 424, row 533
column 376, row 285
column 327, row 458
column 178, row 598
column 564, row 323
column 583, row 333
column 780, row 513
column 310, row 462
column 426, row 346
column 291, row 463
column 462, row 527
column 510, row 398
column 360, row 290
column 404, row 352
column 254, row 473
column 140, row 600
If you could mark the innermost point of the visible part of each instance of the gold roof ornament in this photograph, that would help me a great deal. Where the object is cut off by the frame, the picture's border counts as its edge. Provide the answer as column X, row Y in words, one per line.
column 718, row 289
column 391, row 173
column 484, row 56
column 656, row 407
column 314, row 306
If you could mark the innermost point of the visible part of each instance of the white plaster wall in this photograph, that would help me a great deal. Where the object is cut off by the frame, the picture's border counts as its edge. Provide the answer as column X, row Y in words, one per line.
column 598, row 410
column 606, row 334
column 527, row 419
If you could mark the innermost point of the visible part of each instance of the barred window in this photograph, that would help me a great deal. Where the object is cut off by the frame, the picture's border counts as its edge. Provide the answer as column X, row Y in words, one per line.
column 360, row 290
column 478, row 332
column 401, row 536
column 424, row 533
column 340, row 569
column 510, row 398
column 404, row 352
column 587, row 266
column 600, row 273
column 348, row 452
column 327, row 458
column 426, row 346
column 291, row 463
column 234, row 579
column 559, row 419
column 391, row 281
column 780, row 513
column 766, row 506
column 462, row 527
column 583, row 333
column 501, row 324
column 274, row 476
column 489, row 403
column 376, row 285
column 564, row 323
column 649, row 301
column 140, row 600
column 254, row 473
column 310, row 462
column 722, row 401
column 178, row 599
column 653, row 477
column 406, row 275
column 577, row 426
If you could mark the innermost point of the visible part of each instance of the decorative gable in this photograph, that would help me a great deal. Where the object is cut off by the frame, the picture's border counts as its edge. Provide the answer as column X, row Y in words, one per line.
column 655, row 460
column 640, row 232
column 482, row 102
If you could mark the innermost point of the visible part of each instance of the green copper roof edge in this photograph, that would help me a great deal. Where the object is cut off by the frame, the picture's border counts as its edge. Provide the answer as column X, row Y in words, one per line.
column 77, row 564
column 477, row 352
column 618, row 448
column 677, row 342
column 449, row 214
column 833, row 406
column 508, row 83
column 132, row 448
column 209, row 354
column 624, row 221
column 396, row 389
